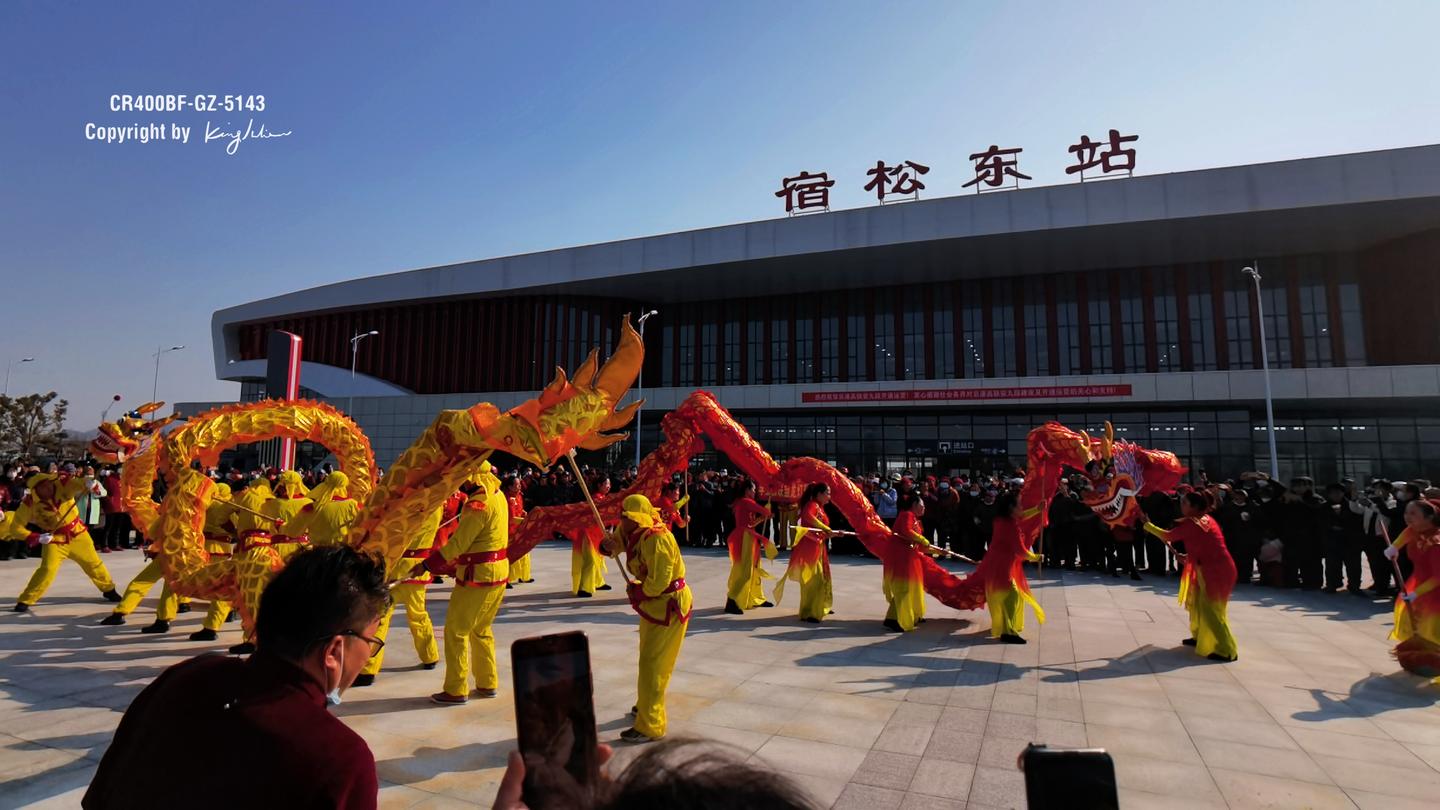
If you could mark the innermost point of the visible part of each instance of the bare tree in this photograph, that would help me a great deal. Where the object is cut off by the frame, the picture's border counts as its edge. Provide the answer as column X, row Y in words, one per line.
column 32, row 425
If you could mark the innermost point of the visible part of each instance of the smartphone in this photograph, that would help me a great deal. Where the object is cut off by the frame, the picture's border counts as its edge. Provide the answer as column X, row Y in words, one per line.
column 1069, row 778
column 555, row 718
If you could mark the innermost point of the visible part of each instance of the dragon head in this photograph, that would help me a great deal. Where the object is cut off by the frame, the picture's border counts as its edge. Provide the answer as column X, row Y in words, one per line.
column 575, row 412
column 127, row 436
column 1120, row 472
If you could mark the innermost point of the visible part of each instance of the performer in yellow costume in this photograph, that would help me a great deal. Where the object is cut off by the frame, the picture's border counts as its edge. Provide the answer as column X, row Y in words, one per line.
column 410, row 592
column 477, row 550
column 743, row 589
column 327, row 518
column 290, row 500
column 810, row 559
column 904, row 578
column 520, row 569
column 587, row 564
column 220, row 543
column 1417, row 608
column 664, row 603
column 48, row 516
column 255, row 560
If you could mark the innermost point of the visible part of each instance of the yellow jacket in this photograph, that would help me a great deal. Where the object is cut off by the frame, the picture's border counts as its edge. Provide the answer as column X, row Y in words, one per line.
column 478, row 546
column 328, row 523
column 288, row 510
column 48, row 516
column 662, row 595
column 219, row 526
column 253, row 497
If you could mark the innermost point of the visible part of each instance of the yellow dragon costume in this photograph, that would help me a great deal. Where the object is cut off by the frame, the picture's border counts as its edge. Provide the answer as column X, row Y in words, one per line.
column 568, row 414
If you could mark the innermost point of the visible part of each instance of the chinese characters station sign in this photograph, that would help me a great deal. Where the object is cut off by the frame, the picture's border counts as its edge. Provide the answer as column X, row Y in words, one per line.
column 995, row 168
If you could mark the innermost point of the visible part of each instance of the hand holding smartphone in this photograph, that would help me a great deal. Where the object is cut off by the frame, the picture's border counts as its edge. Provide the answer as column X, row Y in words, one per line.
column 555, row 719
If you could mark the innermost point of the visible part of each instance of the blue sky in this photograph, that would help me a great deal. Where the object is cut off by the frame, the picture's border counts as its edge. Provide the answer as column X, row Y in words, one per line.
column 428, row 133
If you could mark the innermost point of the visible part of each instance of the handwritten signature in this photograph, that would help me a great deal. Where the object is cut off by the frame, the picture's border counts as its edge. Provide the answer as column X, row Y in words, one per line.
column 249, row 132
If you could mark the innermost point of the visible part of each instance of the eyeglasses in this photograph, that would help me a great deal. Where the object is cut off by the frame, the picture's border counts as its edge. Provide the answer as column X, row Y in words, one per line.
column 376, row 644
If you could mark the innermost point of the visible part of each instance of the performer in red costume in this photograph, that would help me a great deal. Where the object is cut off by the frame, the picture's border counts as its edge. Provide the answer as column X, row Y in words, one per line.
column 904, row 577
column 746, row 545
column 810, row 559
column 1006, row 590
column 1208, row 578
column 1417, row 609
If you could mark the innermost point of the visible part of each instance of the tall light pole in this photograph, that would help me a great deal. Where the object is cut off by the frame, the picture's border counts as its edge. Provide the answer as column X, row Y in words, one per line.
column 640, row 390
column 11, row 365
column 1254, row 275
column 155, row 389
column 354, row 355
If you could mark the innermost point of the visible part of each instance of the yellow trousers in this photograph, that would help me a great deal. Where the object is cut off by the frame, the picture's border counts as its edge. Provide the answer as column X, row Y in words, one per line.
column 141, row 585
column 587, row 570
column 422, row 631
column 659, row 647
column 520, row 570
column 469, row 640
column 1007, row 611
column 254, row 568
column 1209, row 625
column 80, row 550
column 907, row 601
column 743, row 587
column 215, row 616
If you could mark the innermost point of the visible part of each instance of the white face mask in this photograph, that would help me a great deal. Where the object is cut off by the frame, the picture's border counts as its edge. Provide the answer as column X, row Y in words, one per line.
column 332, row 698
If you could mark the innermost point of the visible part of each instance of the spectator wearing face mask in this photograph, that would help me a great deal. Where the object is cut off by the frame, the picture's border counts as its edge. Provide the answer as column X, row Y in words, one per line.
column 317, row 630
column 1300, row 532
column 884, row 501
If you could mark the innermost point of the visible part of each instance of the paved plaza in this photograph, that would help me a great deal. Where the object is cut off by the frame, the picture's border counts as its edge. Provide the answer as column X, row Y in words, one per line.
column 1314, row 714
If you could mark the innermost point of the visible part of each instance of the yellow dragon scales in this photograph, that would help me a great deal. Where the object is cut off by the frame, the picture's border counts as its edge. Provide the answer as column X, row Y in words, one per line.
column 568, row 414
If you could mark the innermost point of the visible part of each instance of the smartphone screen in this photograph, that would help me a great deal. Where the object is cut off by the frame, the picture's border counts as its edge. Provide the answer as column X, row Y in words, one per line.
column 555, row 717
column 1069, row 778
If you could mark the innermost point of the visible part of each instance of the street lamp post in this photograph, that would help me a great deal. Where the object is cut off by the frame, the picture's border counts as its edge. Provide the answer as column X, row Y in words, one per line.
column 354, row 355
column 1254, row 275
column 155, row 388
column 11, row 365
column 640, row 390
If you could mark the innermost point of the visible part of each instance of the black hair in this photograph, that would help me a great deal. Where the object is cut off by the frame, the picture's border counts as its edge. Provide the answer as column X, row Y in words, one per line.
column 320, row 593
column 1200, row 499
column 812, row 491
column 510, row 483
column 700, row 776
column 907, row 501
column 1005, row 504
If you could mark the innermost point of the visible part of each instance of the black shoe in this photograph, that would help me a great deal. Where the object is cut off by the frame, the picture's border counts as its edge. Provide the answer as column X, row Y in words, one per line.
column 363, row 679
column 21, row 607
column 811, row 619
column 767, row 603
column 584, row 595
column 160, row 626
column 183, row 608
column 111, row 595
column 1188, row 642
column 113, row 620
column 603, row 588
column 204, row 634
column 1135, row 575
column 243, row 648
column 732, row 608
column 1360, row 592
column 893, row 626
column 1219, row 657
column 1011, row 638
column 509, row 586
column 430, row 665
column 232, row 616
column 528, row 581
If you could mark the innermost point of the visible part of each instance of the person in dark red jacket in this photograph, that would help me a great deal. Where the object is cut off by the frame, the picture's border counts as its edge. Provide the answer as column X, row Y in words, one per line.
column 317, row 631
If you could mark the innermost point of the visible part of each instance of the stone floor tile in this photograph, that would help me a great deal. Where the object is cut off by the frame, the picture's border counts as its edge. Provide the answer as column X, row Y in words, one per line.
column 1248, row 790
column 954, row 746
column 998, row 787
column 938, row 777
column 887, row 770
column 868, row 797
